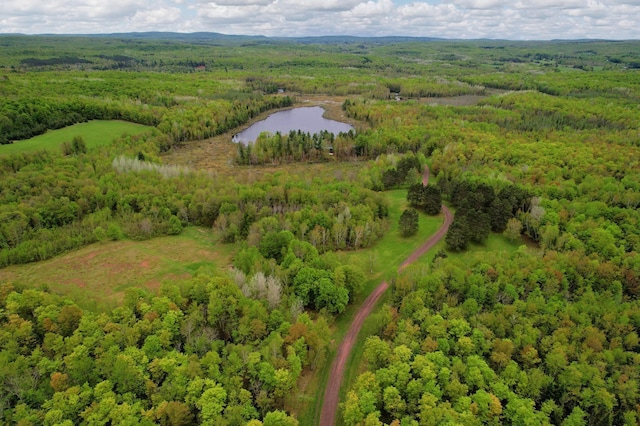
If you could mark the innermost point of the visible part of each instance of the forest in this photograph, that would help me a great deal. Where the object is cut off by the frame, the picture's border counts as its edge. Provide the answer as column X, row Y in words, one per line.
column 533, row 145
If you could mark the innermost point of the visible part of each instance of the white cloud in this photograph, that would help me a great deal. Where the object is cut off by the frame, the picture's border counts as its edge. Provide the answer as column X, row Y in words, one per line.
column 373, row 8
column 480, row 4
column 314, row 5
column 238, row 2
column 160, row 16
column 519, row 19
column 550, row 4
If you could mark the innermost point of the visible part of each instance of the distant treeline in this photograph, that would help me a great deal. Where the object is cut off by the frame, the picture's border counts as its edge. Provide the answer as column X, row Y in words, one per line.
column 27, row 117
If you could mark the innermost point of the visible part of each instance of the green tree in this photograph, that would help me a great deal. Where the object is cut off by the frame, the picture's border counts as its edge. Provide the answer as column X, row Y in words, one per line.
column 331, row 297
column 409, row 222
column 211, row 404
column 457, row 236
column 513, row 229
column 279, row 418
column 394, row 404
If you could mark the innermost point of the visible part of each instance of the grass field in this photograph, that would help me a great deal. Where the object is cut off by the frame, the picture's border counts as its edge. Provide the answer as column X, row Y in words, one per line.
column 96, row 276
column 95, row 133
column 383, row 259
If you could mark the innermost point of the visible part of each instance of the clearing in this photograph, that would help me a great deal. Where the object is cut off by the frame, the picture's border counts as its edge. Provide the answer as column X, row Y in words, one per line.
column 97, row 275
column 95, row 133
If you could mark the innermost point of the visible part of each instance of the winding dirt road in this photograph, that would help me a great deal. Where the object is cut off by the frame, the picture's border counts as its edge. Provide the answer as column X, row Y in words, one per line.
column 332, row 390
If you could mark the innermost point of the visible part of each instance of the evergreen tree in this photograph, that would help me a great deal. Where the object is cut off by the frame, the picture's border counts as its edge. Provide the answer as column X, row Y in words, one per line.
column 457, row 236
column 432, row 200
column 409, row 222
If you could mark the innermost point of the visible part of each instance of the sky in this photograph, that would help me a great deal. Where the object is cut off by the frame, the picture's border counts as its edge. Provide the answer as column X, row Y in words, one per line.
column 460, row 19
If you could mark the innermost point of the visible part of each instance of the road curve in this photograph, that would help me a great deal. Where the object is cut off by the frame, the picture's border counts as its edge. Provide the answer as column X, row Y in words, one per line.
column 332, row 389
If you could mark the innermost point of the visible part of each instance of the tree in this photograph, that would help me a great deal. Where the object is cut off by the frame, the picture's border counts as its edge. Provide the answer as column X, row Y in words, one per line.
column 349, row 277
column 500, row 213
column 331, row 297
column 406, row 163
column 68, row 319
column 513, row 229
column 433, row 200
column 376, row 352
column 274, row 245
column 478, row 225
column 100, row 233
column 127, row 376
column 409, row 222
column 65, row 148
column 415, row 195
column 211, row 404
column 279, row 418
column 393, row 402
column 391, row 178
column 457, row 235
column 174, row 413
column 426, row 198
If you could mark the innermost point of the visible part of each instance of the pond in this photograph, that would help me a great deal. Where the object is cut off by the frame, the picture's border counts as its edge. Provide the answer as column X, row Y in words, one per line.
column 306, row 119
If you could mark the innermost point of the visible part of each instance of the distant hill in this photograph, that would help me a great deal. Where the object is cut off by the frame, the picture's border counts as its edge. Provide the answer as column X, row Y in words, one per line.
column 356, row 39
column 208, row 37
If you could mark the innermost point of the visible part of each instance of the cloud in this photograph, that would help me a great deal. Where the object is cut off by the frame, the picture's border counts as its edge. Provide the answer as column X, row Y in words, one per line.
column 238, row 2
column 480, row 4
column 519, row 19
column 373, row 8
column 155, row 17
column 550, row 4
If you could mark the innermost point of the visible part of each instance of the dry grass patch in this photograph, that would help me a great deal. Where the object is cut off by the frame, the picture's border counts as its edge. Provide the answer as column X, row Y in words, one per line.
column 97, row 275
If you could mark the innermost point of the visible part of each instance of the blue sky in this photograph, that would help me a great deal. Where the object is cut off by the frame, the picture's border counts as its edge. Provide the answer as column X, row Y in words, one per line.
column 466, row 19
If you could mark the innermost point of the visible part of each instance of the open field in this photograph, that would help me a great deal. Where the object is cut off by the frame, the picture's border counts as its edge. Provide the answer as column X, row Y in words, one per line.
column 216, row 155
column 383, row 259
column 496, row 244
column 95, row 133
column 97, row 275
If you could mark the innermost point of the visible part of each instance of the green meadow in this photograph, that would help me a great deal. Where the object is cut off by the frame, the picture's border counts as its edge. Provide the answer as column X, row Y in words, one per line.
column 95, row 133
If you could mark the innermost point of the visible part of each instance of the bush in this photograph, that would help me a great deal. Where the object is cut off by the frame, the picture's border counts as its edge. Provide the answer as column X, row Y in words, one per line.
column 100, row 233
column 114, row 232
column 175, row 226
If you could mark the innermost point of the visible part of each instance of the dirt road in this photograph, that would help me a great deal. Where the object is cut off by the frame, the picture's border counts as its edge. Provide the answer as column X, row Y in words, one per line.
column 332, row 390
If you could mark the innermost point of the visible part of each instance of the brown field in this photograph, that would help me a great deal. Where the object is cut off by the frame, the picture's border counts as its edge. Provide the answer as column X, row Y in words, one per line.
column 97, row 275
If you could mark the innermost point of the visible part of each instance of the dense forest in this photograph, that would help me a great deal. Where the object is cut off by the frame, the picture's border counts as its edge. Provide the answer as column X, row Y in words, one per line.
column 536, row 143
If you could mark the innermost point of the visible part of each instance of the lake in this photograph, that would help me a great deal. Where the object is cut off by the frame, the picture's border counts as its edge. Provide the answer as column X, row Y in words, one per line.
column 306, row 119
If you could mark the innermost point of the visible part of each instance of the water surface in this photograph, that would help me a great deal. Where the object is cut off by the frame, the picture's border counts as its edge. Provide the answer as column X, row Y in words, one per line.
column 306, row 119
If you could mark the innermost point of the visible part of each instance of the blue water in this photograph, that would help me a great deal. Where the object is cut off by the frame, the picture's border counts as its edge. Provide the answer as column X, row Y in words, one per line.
column 307, row 119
